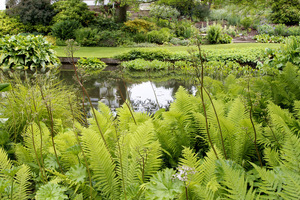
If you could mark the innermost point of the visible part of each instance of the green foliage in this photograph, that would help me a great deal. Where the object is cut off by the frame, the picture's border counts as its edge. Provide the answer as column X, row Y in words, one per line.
column 247, row 22
column 51, row 191
column 5, row 87
column 91, row 64
column 184, row 6
column 10, row 25
column 266, row 38
column 163, row 12
column 113, row 38
column 159, row 37
column 65, row 29
column 87, row 36
column 33, row 12
column 73, row 10
column 22, row 52
column 280, row 29
column 285, row 12
column 141, row 64
column 163, row 186
column 201, row 11
column 185, row 28
column 266, row 29
column 216, row 36
column 138, row 26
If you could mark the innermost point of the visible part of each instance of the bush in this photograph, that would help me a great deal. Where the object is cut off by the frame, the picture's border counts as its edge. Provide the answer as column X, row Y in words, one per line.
column 247, row 22
column 294, row 31
column 266, row 29
column 86, row 36
column 21, row 52
column 139, row 26
column 139, row 37
column 91, row 65
column 159, row 37
column 214, row 33
column 201, row 11
column 103, row 23
column 265, row 38
column 285, row 12
column 113, row 38
column 177, row 41
column 141, row 64
column 73, row 10
column 163, row 12
column 65, row 30
column 225, row 39
column 281, row 30
column 33, row 12
column 10, row 25
column 185, row 28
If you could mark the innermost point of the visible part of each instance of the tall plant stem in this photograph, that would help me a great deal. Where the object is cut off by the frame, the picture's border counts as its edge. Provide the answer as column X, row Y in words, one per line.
column 254, row 130
column 84, row 111
column 153, row 91
column 49, row 110
column 41, row 136
column 129, row 108
column 83, row 154
column 92, row 108
column 202, row 100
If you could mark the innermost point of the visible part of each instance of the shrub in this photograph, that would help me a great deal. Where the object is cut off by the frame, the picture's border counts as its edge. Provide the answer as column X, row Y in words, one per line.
column 138, row 26
column 285, row 12
column 141, row 64
column 159, row 37
column 294, row 30
column 163, row 12
column 177, row 41
column 104, row 23
column 247, row 22
column 113, row 38
column 91, row 65
column 266, row 29
column 86, row 36
column 231, row 30
column 214, row 33
column 33, row 12
column 73, row 10
column 26, row 52
column 10, row 25
column 281, row 29
column 139, row 37
column 265, row 38
column 225, row 39
column 233, row 19
column 184, row 28
column 65, row 29
column 201, row 11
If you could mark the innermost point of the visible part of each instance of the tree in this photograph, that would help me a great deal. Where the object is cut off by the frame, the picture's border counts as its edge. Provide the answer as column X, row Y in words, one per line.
column 73, row 10
column 285, row 12
column 32, row 12
column 123, row 6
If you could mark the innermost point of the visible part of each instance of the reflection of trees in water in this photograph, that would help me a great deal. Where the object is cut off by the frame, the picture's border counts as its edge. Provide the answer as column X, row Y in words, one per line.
column 148, row 105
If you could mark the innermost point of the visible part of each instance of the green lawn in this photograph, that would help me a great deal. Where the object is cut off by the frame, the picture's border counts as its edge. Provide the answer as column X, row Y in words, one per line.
column 108, row 52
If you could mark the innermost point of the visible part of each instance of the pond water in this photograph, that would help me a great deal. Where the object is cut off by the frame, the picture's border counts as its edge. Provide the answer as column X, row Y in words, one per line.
column 146, row 92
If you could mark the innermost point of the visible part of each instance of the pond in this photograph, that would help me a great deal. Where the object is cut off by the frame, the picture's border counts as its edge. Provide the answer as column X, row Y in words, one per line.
column 147, row 92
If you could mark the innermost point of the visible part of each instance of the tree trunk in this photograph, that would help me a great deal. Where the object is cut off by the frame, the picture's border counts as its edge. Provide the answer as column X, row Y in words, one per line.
column 122, row 13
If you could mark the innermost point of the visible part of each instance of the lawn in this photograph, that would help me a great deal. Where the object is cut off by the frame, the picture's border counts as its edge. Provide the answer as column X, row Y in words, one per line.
column 108, row 52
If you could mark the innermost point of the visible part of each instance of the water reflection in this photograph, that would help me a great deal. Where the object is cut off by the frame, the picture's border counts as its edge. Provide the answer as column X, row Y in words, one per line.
column 112, row 88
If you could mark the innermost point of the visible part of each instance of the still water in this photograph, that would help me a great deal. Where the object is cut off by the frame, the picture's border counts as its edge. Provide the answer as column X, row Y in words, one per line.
column 146, row 92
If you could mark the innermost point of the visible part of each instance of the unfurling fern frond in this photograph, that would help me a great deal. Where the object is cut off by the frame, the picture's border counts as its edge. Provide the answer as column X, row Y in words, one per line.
column 22, row 183
column 101, row 164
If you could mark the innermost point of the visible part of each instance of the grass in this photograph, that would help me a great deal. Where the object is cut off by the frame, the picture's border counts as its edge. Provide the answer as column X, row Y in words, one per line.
column 109, row 52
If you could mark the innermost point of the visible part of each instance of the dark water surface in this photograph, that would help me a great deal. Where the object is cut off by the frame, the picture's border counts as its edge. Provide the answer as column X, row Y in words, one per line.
column 146, row 92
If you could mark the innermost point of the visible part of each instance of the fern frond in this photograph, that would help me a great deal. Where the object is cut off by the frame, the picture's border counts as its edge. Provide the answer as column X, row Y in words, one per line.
column 297, row 108
column 291, row 188
column 22, row 183
column 272, row 157
column 271, row 183
column 235, row 183
column 190, row 160
column 101, row 164
column 290, row 153
column 5, row 163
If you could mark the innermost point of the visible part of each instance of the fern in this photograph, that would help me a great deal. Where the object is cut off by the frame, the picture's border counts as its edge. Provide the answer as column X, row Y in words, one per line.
column 101, row 164
column 5, row 163
column 22, row 180
column 290, row 154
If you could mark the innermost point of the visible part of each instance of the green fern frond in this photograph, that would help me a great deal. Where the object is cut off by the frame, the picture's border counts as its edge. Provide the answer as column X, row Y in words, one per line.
column 101, row 164
column 290, row 153
column 235, row 184
column 271, row 183
column 272, row 157
column 190, row 160
column 5, row 163
column 297, row 108
column 22, row 183
column 291, row 186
